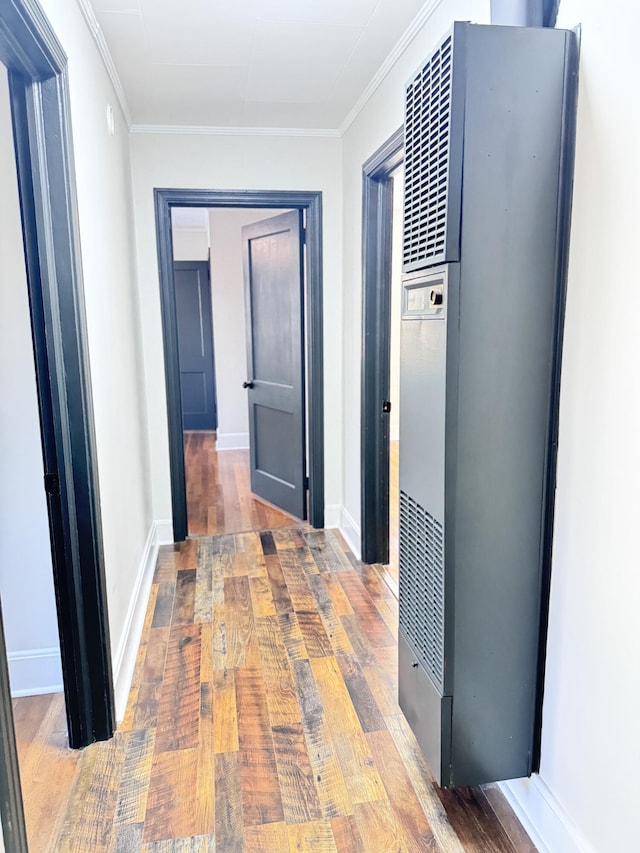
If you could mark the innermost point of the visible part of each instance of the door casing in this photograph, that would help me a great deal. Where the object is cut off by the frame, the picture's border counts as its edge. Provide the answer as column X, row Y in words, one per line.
column 39, row 94
column 311, row 203
column 377, row 221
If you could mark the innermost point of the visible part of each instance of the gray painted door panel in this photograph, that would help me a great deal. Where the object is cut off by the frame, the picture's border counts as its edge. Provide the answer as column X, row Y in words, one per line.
column 195, row 344
column 273, row 274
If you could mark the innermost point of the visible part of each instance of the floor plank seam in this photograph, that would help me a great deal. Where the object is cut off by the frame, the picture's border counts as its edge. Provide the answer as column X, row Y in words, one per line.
column 263, row 716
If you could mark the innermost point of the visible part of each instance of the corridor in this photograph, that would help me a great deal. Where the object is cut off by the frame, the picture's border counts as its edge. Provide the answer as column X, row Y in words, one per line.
column 263, row 717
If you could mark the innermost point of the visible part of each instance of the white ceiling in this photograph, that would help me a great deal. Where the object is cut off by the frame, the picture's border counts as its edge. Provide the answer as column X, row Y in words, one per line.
column 249, row 63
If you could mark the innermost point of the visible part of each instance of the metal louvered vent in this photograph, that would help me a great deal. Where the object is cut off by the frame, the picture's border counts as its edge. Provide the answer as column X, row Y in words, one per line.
column 422, row 585
column 427, row 146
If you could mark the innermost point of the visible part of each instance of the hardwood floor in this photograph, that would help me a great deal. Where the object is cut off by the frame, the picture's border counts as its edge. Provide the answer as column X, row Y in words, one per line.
column 263, row 717
column 263, row 712
column 219, row 498
column 47, row 765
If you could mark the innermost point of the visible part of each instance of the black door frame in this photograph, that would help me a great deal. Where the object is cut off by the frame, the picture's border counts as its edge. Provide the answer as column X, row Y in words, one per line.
column 311, row 203
column 377, row 221
column 39, row 94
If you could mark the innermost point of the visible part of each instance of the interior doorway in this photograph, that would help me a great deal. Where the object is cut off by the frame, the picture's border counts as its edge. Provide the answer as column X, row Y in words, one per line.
column 39, row 101
column 273, row 415
column 39, row 104
column 379, row 381
column 239, row 349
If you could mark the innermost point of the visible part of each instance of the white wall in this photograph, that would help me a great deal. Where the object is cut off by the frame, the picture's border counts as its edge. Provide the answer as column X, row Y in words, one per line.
column 190, row 244
column 236, row 162
column 380, row 118
column 113, row 322
column 229, row 329
column 396, row 303
column 26, row 574
column 586, row 797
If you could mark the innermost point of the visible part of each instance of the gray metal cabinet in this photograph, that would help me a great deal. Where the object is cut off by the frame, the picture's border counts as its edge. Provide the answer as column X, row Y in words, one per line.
column 489, row 152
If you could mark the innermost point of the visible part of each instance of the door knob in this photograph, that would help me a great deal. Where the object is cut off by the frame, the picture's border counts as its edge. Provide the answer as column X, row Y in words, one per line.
column 247, row 384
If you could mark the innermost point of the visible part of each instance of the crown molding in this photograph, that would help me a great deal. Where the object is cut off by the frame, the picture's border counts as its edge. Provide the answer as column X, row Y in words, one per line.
column 96, row 32
column 207, row 130
column 210, row 130
column 401, row 45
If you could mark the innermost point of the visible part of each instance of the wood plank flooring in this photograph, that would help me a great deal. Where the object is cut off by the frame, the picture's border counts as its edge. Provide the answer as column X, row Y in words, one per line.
column 47, row 766
column 219, row 497
column 263, row 717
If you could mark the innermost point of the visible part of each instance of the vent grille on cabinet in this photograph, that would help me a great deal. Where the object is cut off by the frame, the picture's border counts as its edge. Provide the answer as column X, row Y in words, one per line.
column 422, row 585
column 427, row 144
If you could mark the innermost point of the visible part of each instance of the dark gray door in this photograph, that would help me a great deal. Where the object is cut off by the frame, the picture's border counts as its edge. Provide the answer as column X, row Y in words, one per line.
column 273, row 274
column 195, row 344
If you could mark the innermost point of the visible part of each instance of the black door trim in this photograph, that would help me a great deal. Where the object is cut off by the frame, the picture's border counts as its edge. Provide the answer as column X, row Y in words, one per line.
column 377, row 215
column 311, row 202
column 39, row 94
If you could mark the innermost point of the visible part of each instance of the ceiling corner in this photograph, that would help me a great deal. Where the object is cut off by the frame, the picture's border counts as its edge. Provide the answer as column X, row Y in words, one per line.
column 105, row 54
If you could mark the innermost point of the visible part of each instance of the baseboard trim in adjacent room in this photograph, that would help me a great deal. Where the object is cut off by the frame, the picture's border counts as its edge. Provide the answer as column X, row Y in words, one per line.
column 232, row 441
column 125, row 658
column 332, row 516
column 351, row 532
column 543, row 817
column 164, row 531
column 33, row 672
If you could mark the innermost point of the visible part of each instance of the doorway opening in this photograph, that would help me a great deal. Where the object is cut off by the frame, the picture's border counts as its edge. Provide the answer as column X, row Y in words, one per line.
column 382, row 186
column 39, row 103
column 40, row 113
column 218, row 315
column 285, row 414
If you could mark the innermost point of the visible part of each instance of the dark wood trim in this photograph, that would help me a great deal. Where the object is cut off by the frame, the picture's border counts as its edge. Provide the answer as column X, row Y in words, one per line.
column 311, row 202
column 315, row 359
column 377, row 215
column 171, row 368
column 46, row 182
column 27, row 42
column 563, row 233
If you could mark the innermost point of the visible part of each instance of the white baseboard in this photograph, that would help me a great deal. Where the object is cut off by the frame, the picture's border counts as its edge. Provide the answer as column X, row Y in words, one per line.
column 232, row 441
column 549, row 826
column 164, row 531
column 351, row 532
column 35, row 671
column 125, row 657
column 335, row 515
column 332, row 515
